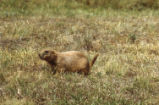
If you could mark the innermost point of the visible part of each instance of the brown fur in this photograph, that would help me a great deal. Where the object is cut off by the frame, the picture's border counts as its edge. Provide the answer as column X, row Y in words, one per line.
column 71, row 61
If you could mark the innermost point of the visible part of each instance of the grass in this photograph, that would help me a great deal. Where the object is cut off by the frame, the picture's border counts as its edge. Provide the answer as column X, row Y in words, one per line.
column 126, row 72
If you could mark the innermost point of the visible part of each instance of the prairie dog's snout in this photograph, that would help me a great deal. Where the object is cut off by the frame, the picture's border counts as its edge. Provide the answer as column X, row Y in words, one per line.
column 40, row 56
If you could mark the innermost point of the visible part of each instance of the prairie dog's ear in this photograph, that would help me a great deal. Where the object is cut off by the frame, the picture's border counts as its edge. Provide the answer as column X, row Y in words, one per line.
column 53, row 52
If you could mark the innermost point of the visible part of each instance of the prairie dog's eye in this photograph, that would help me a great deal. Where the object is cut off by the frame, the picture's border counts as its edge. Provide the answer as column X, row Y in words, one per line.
column 46, row 52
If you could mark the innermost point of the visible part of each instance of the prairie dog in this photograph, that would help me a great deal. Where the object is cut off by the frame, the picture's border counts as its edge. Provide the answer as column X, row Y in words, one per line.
column 70, row 61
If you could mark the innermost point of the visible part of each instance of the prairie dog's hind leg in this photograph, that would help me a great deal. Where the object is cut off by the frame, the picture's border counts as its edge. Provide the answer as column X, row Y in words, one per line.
column 83, row 71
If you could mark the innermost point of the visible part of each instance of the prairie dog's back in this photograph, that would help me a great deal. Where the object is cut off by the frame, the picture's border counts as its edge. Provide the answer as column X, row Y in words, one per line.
column 73, row 55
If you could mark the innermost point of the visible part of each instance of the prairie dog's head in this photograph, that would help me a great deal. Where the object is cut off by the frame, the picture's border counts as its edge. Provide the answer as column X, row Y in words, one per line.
column 48, row 55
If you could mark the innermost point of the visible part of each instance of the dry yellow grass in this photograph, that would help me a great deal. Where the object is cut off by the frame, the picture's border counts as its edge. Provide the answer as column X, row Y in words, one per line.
column 126, row 71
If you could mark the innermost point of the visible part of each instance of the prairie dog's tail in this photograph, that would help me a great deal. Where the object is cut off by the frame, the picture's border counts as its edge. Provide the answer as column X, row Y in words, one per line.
column 93, row 60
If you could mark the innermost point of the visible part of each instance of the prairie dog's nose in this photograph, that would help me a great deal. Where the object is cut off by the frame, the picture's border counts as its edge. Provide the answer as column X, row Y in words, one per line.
column 39, row 55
